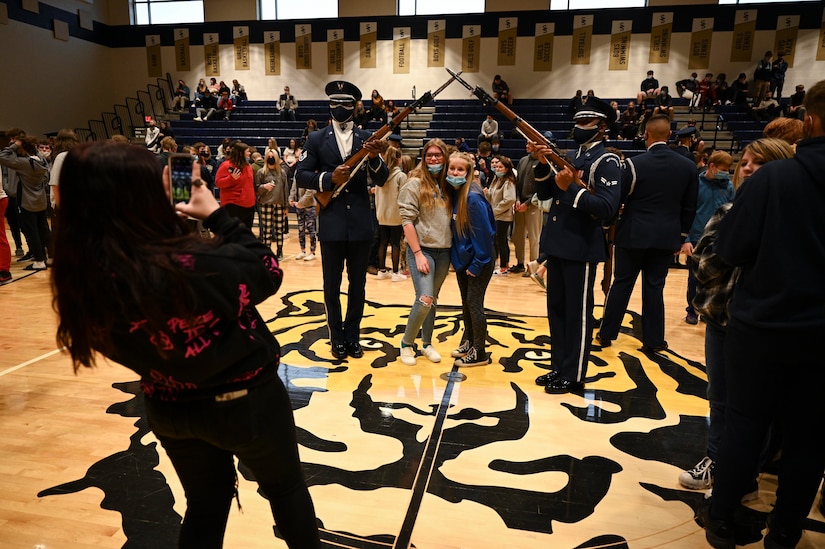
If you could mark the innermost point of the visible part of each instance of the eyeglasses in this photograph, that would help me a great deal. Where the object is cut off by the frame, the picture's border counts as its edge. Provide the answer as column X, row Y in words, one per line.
column 434, row 155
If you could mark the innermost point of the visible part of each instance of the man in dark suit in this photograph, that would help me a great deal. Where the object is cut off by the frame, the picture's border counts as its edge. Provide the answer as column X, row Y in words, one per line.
column 345, row 226
column 573, row 240
column 660, row 190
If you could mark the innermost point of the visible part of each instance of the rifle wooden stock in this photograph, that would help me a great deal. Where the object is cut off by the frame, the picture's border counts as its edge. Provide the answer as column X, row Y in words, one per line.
column 555, row 156
column 323, row 198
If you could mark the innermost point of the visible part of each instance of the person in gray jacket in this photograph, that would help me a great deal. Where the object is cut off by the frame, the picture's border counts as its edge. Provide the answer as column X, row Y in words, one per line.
column 33, row 171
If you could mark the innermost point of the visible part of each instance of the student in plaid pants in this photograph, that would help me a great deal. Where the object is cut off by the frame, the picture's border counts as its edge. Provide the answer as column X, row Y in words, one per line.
column 271, row 188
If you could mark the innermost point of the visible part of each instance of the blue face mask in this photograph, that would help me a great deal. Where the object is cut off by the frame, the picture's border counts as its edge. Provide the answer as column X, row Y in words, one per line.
column 722, row 176
column 435, row 168
column 500, row 174
column 456, row 181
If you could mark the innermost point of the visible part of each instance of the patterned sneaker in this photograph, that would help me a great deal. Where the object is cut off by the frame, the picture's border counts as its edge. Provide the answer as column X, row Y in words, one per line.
column 462, row 350
column 700, row 477
column 407, row 355
column 473, row 358
column 431, row 354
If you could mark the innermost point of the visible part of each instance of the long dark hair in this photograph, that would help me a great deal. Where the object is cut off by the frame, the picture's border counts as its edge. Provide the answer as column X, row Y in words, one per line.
column 117, row 249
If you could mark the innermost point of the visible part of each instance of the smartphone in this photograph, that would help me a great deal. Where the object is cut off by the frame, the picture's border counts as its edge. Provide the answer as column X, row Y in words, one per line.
column 180, row 172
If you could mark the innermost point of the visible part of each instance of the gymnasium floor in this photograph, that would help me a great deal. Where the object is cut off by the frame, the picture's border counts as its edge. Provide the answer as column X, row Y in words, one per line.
column 395, row 456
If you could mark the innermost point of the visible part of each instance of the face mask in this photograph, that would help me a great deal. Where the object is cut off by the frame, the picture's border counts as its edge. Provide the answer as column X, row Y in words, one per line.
column 270, row 161
column 456, row 181
column 500, row 174
column 205, row 154
column 435, row 168
column 250, row 161
column 585, row 134
column 722, row 176
column 495, row 148
column 341, row 114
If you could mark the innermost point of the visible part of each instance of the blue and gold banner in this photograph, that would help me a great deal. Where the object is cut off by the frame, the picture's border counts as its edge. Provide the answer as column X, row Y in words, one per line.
column 183, row 60
column 368, row 49
column 744, row 30
column 543, row 51
column 303, row 46
column 401, row 50
column 582, row 34
column 661, row 35
column 620, row 45
column 436, row 40
column 335, row 51
column 507, row 35
column 272, row 52
column 154, row 63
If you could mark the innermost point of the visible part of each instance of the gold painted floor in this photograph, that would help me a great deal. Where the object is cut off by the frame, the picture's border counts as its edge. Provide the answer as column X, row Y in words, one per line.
column 477, row 458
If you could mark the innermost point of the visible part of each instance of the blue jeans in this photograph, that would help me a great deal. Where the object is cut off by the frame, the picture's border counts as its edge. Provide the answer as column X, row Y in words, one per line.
column 202, row 436
column 422, row 316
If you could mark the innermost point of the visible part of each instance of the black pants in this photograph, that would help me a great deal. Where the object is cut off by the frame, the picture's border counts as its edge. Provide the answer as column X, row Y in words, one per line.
column 355, row 255
column 771, row 375
column 503, row 242
column 39, row 236
column 246, row 215
column 13, row 216
column 389, row 234
column 473, row 290
column 201, row 439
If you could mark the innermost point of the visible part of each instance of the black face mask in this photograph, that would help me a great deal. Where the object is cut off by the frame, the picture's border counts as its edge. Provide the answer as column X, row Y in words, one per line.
column 583, row 136
column 270, row 161
column 341, row 114
column 205, row 154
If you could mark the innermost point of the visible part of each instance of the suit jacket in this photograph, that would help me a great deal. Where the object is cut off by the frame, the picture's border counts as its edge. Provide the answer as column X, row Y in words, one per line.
column 285, row 102
column 348, row 216
column 660, row 190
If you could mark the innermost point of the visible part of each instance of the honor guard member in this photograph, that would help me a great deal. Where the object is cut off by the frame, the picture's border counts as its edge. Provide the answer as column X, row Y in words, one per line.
column 573, row 240
column 345, row 226
column 684, row 140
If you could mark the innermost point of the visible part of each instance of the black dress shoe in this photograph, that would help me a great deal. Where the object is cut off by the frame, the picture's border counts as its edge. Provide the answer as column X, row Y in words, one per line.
column 718, row 533
column 544, row 379
column 561, row 386
column 339, row 350
column 654, row 348
column 28, row 257
column 604, row 343
column 354, row 349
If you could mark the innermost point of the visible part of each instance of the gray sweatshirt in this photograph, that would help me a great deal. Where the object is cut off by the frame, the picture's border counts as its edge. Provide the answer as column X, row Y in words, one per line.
column 431, row 224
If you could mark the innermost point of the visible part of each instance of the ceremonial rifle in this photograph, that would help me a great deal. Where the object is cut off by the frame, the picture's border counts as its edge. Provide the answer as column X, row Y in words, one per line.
column 357, row 160
column 556, row 157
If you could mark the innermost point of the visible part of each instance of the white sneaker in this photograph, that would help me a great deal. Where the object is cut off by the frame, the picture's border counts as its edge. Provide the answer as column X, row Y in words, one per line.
column 301, row 255
column 310, row 257
column 532, row 267
column 398, row 277
column 430, row 352
column 383, row 275
column 700, row 477
column 407, row 356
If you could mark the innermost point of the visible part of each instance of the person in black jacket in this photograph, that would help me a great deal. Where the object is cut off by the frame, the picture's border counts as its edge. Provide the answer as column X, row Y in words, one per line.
column 655, row 219
column 775, row 232
column 345, row 225
column 180, row 311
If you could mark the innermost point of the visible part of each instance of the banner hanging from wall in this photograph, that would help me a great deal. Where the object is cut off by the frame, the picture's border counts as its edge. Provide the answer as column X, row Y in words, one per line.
column 436, row 38
column 744, row 30
column 401, row 50
column 820, row 50
column 543, row 54
column 661, row 34
column 620, row 45
column 786, row 30
column 211, row 53
column 303, row 47
column 507, row 36
column 335, row 51
column 183, row 61
column 240, row 40
column 701, row 38
column 369, row 44
column 470, row 48
column 582, row 34
column 154, row 63
column 272, row 52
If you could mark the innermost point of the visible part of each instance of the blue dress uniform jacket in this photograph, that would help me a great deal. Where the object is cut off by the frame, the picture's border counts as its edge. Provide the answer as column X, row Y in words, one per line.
column 348, row 216
column 661, row 190
column 574, row 227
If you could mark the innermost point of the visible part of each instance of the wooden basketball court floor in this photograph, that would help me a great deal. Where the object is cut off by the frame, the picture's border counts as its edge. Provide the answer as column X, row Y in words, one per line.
column 395, row 456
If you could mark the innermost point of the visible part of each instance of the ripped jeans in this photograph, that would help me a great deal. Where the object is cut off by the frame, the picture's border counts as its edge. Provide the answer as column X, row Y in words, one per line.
column 422, row 316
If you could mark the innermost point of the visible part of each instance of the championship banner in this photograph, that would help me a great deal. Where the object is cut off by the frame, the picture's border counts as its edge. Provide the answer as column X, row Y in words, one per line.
column 786, row 30
column 582, row 33
column 211, row 53
column 401, row 50
column 470, row 48
column 744, row 29
column 661, row 33
column 240, row 39
column 272, row 52
column 620, row 45
column 507, row 35
column 303, row 46
column 700, row 41
column 436, row 38
column 543, row 54
column 183, row 61
column 369, row 44
column 335, row 51
column 154, row 63
column 820, row 49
